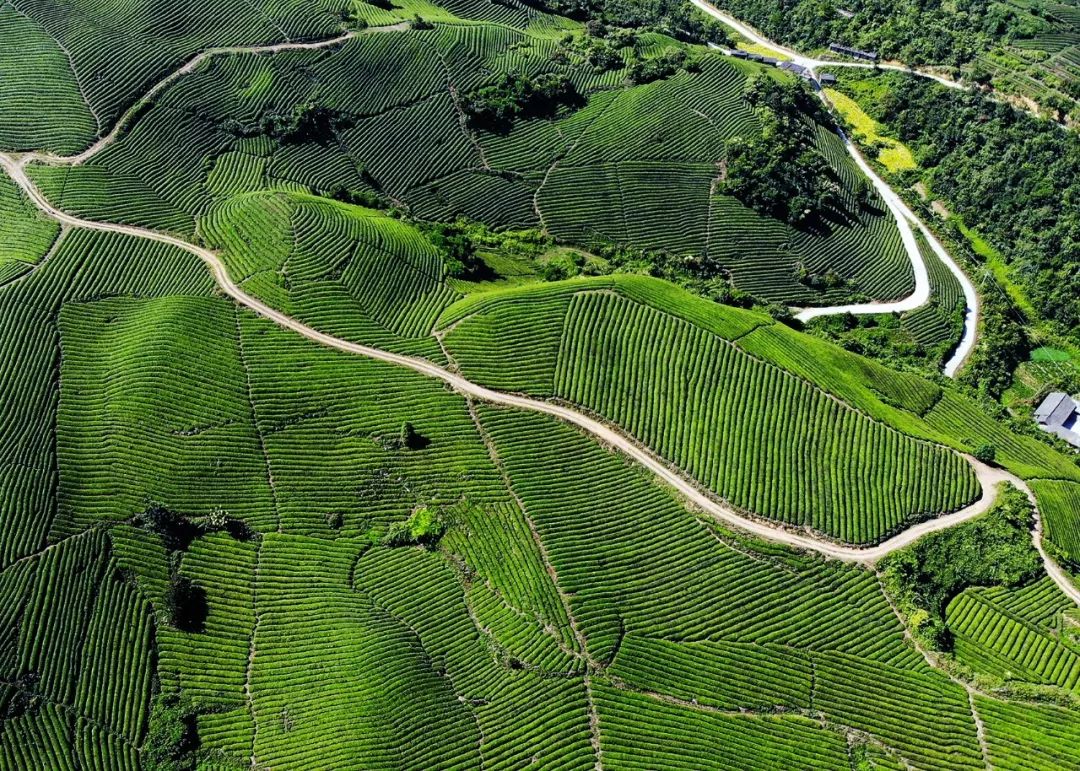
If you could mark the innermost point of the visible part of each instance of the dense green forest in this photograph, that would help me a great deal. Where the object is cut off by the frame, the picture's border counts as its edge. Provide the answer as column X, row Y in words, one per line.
column 1030, row 49
column 1013, row 177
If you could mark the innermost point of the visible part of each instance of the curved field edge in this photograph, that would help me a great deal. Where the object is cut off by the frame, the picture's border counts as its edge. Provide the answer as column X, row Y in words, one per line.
column 445, row 171
column 760, row 438
column 939, row 413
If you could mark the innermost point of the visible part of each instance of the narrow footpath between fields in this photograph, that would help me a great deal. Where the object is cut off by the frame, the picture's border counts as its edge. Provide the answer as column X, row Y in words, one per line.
column 989, row 478
column 903, row 215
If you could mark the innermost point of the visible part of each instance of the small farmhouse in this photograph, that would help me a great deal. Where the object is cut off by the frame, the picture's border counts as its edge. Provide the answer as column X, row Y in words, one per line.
column 1059, row 414
column 869, row 56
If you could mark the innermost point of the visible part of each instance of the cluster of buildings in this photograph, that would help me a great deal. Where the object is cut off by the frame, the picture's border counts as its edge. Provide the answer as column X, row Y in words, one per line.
column 806, row 73
column 854, row 53
column 738, row 54
column 825, row 78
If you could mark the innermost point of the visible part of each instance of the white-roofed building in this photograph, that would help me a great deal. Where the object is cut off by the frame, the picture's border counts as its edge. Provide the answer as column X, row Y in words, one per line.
column 1059, row 414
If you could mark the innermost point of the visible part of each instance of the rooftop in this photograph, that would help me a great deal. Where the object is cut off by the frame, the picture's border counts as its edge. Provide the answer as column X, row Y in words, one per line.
column 1059, row 414
column 840, row 48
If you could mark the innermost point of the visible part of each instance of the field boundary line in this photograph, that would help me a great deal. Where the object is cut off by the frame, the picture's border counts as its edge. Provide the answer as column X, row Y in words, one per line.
column 989, row 477
column 549, row 567
column 782, row 713
column 255, row 418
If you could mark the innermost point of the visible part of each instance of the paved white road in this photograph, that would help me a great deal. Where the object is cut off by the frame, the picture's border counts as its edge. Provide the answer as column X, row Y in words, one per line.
column 905, row 218
column 753, row 35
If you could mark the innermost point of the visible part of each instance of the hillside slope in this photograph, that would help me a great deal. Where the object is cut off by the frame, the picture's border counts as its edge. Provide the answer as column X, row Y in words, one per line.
column 232, row 543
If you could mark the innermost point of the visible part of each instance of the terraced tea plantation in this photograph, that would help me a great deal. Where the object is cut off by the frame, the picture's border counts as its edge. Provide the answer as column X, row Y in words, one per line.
column 312, row 456
column 602, row 173
column 744, row 428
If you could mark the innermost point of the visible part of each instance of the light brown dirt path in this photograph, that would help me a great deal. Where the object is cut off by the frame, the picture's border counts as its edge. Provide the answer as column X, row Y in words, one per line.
column 191, row 65
column 920, row 294
column 989, row 478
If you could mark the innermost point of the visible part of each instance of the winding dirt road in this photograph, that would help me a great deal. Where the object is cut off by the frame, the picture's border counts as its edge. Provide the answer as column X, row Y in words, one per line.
column 989, row 478
column 190, row 66
column 900, row 211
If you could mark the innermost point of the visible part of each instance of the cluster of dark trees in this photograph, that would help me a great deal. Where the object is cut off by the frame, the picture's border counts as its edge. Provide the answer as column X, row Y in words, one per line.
column 306, row 122
column 172, row 735
column 663, row 66
column 1013, row 177
column 914, row 31
column 494, row 107
column 1003, row 342
column 781, row 172
column 993, row 550
column 457, row 246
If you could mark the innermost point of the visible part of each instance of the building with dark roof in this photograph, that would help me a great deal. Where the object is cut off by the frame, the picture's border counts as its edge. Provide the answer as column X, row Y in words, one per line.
column 869, row 56
column 1059, row 414
column 827, row 79
column 795, row 69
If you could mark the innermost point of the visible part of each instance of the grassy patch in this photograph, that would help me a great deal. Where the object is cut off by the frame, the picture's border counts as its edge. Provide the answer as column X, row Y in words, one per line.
column 1002, row 270
column 1046, row 353
column 757, row 48
column 893, row 154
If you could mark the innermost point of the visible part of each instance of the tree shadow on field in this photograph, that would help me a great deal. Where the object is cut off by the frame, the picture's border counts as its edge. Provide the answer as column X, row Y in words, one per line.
column 187, row 605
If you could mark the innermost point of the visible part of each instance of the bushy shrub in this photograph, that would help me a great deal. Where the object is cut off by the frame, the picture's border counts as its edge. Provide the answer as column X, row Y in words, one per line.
column 424, row 527
column 993, row 550
column 411, row 439
column 306, row 122
column 664, row 66
column 368, row 198
column 176, row 531
column 985, row 452
column 171, row 737
column 186, row 604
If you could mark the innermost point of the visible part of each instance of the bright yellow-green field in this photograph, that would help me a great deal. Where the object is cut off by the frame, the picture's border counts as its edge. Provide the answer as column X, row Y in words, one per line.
column 895, row 156
column 756, row 48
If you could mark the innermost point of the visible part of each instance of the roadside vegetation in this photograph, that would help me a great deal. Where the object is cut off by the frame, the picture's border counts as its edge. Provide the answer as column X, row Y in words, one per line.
column 1026, row 50
column 994, row 550
column 1021, row 242
column 226, row 545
